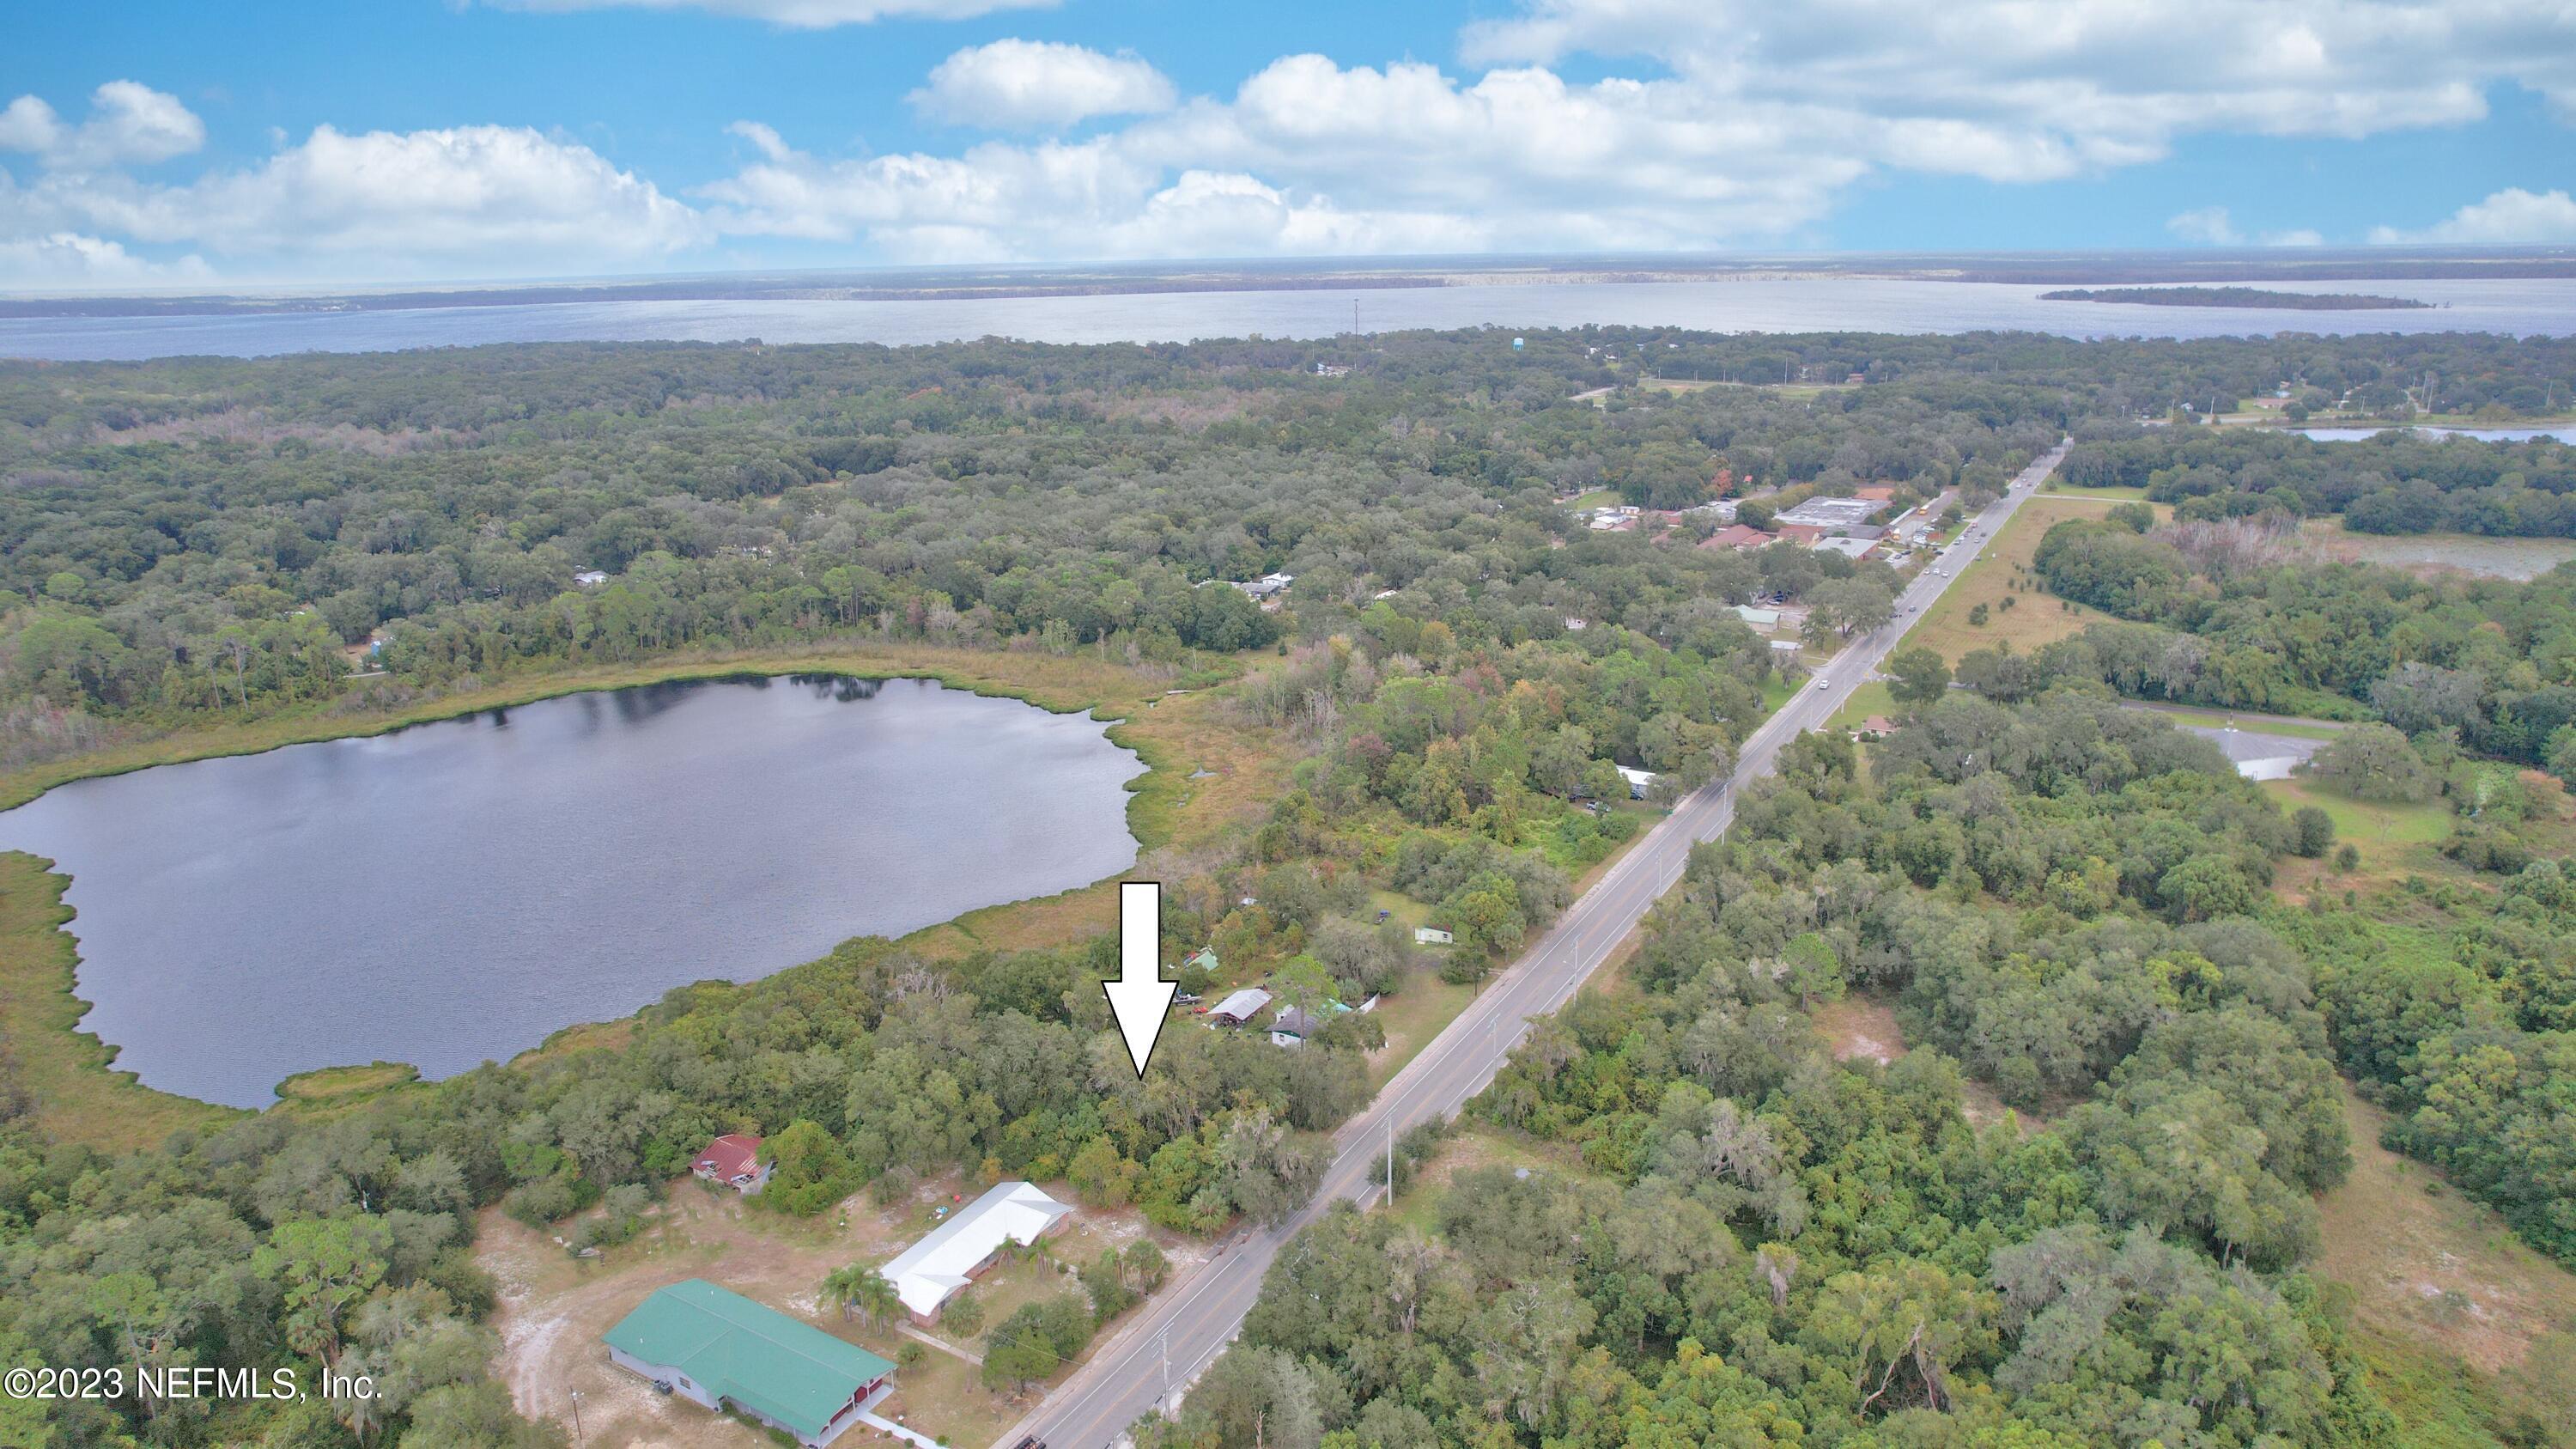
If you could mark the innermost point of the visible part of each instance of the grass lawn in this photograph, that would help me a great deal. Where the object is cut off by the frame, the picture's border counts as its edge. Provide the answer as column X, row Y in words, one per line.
column 2366, row 824
column 1597, row 498
column 1871, row 698
column 2033, row 620
column 1412, row 1017
column 942, row 1395
column 1401, row 906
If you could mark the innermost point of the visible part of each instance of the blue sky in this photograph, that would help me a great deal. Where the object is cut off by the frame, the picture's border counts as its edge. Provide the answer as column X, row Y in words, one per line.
column 167, row 144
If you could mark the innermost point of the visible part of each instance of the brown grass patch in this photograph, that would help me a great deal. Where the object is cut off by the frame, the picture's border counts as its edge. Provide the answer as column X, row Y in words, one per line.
column 2428, row 1266
column 1863, row 1026
column 1481, row 1145
column 2003, row 571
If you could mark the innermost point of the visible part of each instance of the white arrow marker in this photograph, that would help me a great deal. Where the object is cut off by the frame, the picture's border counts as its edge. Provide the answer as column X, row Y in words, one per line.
column 1140, row 996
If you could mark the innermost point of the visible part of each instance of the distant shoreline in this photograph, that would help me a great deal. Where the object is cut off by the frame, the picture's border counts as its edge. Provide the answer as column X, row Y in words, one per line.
column 2240, row 297
column 2113, row 272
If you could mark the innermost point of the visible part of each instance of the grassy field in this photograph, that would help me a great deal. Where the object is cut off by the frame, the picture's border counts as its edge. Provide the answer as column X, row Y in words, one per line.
column 80, row 1097
column 2367, row 823
column 2034, row 618
column 2059, row 488
column 2438, row 553
column 2428, row 1264
column 1412, row 1017
column 1796, row 391
column 2437, row 1280
column 2396, row 842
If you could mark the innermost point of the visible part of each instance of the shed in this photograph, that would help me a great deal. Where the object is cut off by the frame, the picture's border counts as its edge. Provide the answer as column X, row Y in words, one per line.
column 1758, row 618
column 716, row 1349
column 1430, row 936
column 958, row 1251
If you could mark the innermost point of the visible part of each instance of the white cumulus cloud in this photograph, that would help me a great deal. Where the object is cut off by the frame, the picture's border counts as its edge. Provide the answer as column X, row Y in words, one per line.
column 2509, row 217
column 2208, row 226
column 481, row 200
column 69, row 261
column 129, row 123
column 1311, row 157
column 2023, row 91
column 2212, row 226
column 1572, row 125
column 1030, row 83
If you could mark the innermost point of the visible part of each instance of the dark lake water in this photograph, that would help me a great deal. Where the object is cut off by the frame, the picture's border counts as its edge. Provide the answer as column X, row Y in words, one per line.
column 2483, row 435
column 1802, row 304
column 456, row 891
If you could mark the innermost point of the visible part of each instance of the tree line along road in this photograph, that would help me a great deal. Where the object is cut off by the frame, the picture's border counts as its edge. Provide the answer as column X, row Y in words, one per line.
column 1182, row 1329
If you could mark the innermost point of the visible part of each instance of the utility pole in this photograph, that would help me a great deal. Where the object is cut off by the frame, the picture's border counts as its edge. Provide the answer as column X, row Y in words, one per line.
column 1167, row 1366
column 1390, row 1162
column 1355, row 319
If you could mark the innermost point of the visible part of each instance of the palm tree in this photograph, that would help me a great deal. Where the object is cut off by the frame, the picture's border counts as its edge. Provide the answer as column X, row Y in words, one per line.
column 863, row 1291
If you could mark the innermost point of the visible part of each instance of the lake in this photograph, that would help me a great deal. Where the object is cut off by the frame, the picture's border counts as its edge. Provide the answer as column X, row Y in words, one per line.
column 457, row 891
column 2483, row 435
column 1801, row 304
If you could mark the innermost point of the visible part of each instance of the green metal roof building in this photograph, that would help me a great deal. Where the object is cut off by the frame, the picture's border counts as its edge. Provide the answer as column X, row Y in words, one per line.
column 714, row 1347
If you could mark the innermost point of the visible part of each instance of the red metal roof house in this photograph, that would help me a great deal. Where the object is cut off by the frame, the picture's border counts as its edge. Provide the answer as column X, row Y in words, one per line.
column 1736, row 536
column 734, row 1160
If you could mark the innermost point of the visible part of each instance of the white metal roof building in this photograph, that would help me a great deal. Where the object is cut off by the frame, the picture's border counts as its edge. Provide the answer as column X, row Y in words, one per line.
column 925, row 1274
column 1242, row 1006
column 1831, row 512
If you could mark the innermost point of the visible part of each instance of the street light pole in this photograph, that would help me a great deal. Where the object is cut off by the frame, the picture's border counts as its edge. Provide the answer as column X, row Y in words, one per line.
column 577, row 1436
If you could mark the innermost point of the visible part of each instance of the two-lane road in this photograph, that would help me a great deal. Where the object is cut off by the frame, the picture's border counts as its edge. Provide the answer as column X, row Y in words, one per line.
column 1184, row 1328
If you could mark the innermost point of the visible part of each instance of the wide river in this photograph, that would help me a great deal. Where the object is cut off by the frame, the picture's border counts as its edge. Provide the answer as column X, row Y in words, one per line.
column 456, row 891
column 1813, row 304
